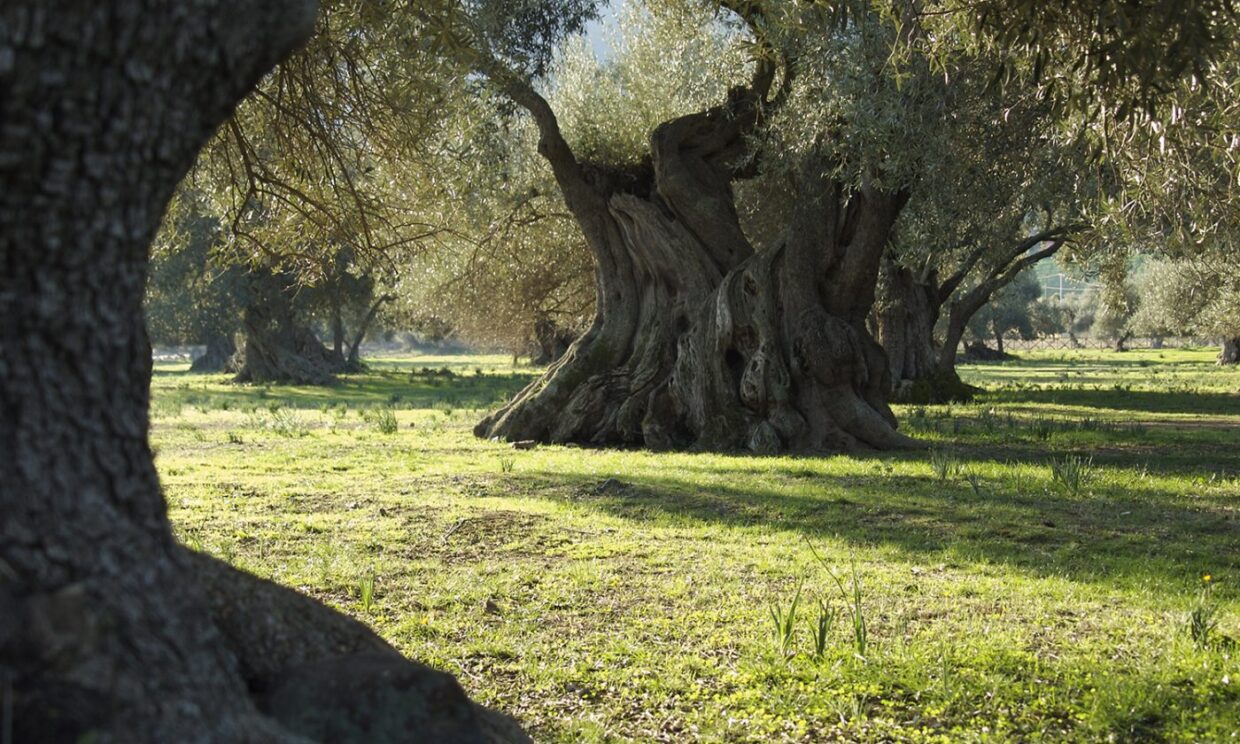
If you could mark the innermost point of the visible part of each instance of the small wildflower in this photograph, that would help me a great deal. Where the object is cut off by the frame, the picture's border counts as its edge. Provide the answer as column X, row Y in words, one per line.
column 1207, row 578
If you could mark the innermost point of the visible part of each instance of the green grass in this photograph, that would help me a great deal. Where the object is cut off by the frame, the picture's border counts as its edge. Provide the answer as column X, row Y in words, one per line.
column 604, row 595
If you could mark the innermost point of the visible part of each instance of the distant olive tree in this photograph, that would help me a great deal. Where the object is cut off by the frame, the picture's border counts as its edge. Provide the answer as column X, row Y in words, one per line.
column 1198, row 296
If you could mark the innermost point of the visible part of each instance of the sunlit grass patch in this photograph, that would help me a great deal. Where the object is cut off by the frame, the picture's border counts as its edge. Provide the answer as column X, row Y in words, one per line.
column 611, row 595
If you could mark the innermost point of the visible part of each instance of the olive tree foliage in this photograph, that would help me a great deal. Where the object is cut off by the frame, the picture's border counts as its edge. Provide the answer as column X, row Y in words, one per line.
column 664, row 61
column 191, row 297
column 1113, row 61
column 509, row 269
column 320, row 181
column 1198, row 296
column 1181, row 173
column 516, row 277
column 330, row 148
column 1004, row 189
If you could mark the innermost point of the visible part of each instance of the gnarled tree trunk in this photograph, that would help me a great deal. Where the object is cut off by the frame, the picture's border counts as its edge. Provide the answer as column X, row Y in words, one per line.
column 279, row 345
column 109, row 629
column 906, row 314
column 1230, row 353
column 911, row 306
column 698, row 341
column 218, row 357
column 551, row 340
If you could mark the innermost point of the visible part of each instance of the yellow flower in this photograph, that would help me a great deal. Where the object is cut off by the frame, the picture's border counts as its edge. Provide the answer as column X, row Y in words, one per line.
column 1206, row 578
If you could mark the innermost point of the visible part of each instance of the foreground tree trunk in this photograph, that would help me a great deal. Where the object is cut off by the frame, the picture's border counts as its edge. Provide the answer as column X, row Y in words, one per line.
column 218, row 357
column 110, row 630
column 698, row 341
column 1230, row 353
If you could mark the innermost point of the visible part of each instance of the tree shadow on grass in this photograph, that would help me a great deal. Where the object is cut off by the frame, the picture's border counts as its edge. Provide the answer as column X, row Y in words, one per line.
column 403, row 388
column 1141, row 401
column 1111, row 535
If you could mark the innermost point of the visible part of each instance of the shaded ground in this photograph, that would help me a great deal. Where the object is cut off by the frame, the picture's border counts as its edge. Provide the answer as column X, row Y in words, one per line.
column 627, row 596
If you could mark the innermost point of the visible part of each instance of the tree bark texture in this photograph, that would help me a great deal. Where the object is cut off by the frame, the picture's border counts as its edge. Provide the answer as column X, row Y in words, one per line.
column 551, row 340
column 905, row 314
column 698, row 341
column 110, row 630
column 280, row 346
column 910, row 306
column 1230, row 353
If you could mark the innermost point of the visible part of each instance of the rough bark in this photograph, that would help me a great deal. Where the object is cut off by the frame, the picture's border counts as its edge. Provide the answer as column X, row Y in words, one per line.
column 110, row 630
column 279, row 344
column 905, row 316
column 1230, row 353
column 911, row 304
column 218, row 357
column 697, row 341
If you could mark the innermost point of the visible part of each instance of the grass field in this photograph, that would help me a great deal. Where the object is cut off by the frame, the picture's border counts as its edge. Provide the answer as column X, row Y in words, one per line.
column 1037, row 574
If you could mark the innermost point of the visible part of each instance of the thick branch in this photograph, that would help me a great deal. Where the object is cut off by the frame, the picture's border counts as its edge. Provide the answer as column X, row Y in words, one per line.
column 953, row 282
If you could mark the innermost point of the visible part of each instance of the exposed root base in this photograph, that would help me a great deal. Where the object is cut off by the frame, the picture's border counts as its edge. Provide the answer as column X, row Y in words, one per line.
column 304, row 673
column 756, row 366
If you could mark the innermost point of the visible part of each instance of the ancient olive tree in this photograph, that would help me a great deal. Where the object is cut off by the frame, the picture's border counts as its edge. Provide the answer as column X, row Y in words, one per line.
column 109, row 629
column 1197, row 296
column 1006, row 189
column 721, row 324
column 191, row 297
column 701, row 338
column 1011, row 310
